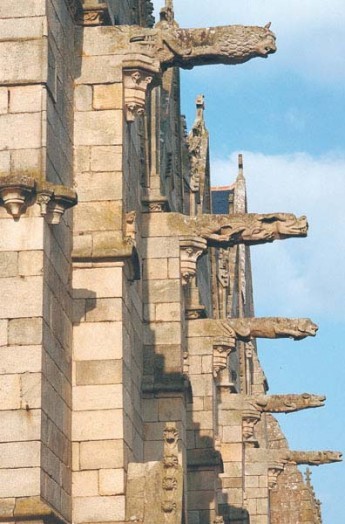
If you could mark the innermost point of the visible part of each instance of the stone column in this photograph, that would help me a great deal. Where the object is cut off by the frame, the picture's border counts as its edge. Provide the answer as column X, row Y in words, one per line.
column 36, row 50
column 106, row 338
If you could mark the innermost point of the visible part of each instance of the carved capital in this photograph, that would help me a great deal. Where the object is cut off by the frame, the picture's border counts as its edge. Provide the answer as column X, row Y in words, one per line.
column 249, row 420
column 138, row 77
column 218, row 520
column 43, row 199
column 190, row 250
column 93, row 13
column 222, row 348
column 63, row 199
column 153, row 203
column 274, row 470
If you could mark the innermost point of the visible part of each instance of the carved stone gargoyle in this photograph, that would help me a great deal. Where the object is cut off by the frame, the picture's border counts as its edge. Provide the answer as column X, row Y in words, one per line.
column 272, row 327
column 148, row 52
column 312, row 458
column 286, row 403
column 227, row 230
column 186, row 48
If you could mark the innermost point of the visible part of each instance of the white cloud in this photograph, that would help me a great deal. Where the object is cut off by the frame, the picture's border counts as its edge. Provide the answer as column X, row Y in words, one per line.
column 296, row 277
column 310, row 34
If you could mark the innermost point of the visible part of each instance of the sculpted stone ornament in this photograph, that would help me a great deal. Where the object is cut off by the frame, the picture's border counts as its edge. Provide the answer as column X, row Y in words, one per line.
column 313, row 458
column 249, row 420
column 172, row 474
column 18, row 192
column 172, row 46
column 251, row 228
column 228, row 230
column 94, row 12
column 150, row 51
column 272, row 327
column 190, row 250
column 136, row 82
column 287, row 403
column 222, row 348
column 274, row 470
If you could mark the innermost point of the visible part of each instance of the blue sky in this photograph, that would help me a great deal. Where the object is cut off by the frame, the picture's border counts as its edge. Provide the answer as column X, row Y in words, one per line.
column 286, row 115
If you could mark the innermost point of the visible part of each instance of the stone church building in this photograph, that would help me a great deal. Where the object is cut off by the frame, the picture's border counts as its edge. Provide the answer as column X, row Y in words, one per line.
column 130, row 385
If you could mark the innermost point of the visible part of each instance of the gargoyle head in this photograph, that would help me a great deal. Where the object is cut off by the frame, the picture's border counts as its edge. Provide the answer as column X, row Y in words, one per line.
column 327, row 457
column 305, row 328
column 266, row 44
column 289, row 225
column 313, row 401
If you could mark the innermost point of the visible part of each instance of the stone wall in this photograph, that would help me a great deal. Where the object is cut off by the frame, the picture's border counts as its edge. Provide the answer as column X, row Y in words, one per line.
column 130, row 384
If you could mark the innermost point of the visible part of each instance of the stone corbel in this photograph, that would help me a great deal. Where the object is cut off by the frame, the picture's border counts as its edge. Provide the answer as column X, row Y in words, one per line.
column 222, row 348
column 140, row 74
column 62, row 198
column 155, row 204
column 94, row 13
column 274, row 470
column 16, row 193
column 249, row 420
column 190, row 250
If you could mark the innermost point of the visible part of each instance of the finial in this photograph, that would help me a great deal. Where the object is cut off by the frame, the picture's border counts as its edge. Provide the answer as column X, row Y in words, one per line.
column 167, row 14
column 200, row 106
column 240, row 167
column 308, row 476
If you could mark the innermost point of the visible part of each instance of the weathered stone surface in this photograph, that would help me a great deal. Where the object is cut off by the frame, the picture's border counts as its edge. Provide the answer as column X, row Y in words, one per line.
column 99, row 509
column 231, row 229
column 98, row 372
column 95, row 425
column 101, row 454
column 19, row 455
column 21, row 482
column 187, row 48
column 287, row 403
column 313, row 458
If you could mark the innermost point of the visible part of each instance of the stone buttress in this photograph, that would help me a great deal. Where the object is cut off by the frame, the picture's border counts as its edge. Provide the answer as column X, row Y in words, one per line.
column 130, row 385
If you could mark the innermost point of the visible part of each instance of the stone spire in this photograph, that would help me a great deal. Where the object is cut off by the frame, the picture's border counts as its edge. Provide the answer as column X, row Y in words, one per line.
column 198, row 144
column 240, row 190
column 167, row 15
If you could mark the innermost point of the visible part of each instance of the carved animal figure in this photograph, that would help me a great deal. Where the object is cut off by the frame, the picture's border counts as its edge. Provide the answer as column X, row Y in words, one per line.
column 313, row 458
column 186, row 48
column 287, row 403
column 217, row 45
column 273, row 327
column 250, row 228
